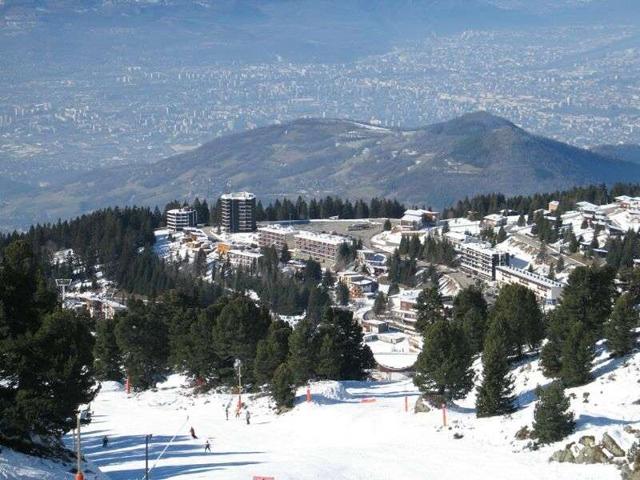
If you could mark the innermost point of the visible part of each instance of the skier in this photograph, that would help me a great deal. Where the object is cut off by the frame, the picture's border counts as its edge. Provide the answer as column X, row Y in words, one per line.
column 238, row 412
column 105, row 442
column 248, row 417
column 193, row 433
column 226, row 412
column 207, row 447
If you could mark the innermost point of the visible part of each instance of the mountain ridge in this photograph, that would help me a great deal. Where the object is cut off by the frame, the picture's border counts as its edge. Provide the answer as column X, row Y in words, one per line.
column 435, row 164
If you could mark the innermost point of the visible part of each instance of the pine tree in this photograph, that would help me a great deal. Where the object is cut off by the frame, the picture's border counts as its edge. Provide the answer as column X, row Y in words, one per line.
column 272, row 351
column 394, row 289
column 470, row 311
column 302, row 352
column 577, row 355
column 552, row 419
column 142, row 338
column 618, row 330
column 380, row 304
column 108, row 358
column 342, row 294
column 552, row 272
column 518, row 307
column 387, row 225
column 551, row 354
column 285, row 255
column 283, row 387
column 328, row 359
column 327, row 279
column 429, row 307
column 502, row 235
column 495, row 394
column 560, row 264
column 444, row 365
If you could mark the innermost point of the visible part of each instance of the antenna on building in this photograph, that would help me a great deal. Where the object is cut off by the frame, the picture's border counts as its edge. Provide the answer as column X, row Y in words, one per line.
column 62, row 284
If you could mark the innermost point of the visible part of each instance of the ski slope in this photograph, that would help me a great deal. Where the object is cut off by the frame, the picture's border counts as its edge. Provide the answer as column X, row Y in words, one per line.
column 338, row 436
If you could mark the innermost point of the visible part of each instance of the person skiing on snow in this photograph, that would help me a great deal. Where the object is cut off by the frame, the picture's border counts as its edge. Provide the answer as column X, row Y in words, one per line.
column 105, row 442
column 207, row 447
column 248, row 417
column 226, row 411
column 193, row 433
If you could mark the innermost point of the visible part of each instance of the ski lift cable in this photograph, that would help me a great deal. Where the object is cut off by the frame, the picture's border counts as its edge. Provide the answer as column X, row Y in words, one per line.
column 167, row 446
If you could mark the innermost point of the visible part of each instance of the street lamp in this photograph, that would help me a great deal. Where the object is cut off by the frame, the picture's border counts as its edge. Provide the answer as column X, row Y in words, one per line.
column 238, row 366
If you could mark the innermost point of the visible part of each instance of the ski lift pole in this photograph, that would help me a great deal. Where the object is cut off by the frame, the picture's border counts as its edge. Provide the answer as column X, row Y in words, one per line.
column 238, row 365
column 79, row 474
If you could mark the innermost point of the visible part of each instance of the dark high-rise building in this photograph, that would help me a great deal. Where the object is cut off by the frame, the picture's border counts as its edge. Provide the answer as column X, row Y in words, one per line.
column 238, row 212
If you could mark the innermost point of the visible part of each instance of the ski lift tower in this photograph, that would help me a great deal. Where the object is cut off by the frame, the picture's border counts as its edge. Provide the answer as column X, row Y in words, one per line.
column 62, row 284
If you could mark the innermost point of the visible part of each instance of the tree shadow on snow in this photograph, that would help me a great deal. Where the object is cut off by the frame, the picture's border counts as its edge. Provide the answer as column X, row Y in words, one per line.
column 587, row 421
column 170, row 471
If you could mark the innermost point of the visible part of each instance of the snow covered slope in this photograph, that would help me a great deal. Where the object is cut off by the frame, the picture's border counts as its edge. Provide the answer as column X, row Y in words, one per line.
column 18, row 466
column 340, row 436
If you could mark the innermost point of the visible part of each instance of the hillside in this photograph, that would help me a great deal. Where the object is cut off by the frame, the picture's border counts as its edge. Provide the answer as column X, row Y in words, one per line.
column 370, row 440
column 434, row 165
column 626, row 152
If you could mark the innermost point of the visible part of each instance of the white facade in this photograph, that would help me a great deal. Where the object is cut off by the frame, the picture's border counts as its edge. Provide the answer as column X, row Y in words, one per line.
column 417, row 219
column 547, row 291
column 180, row 218
column 482, row 260
column 245, row 259
column 319, row 245
column 276, row 236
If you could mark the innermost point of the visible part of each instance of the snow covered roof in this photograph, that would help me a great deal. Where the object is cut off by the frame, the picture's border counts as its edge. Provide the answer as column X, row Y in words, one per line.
column 238, row 196
column 322, row 237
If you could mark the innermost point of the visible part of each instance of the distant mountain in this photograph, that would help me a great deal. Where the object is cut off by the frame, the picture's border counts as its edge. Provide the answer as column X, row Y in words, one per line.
column 434, row 165
column 625, row 152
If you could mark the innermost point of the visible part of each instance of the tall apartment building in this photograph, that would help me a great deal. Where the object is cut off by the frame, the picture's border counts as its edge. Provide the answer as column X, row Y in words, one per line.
column 479, row 259
column 318, row 246
column 238, row 212
column 180, row 218
column 547, row 291
column 277, row 236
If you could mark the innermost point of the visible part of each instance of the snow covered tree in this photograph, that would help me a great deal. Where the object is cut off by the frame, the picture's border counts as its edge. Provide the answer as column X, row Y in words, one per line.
column 618, row 330
column 552, row 419
column 283, row 387
column 444, row 365
column 495, row 394
column 387, row 225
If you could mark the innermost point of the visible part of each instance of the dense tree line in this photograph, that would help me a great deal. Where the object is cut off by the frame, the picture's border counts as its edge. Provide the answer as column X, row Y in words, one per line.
column 432, row 250
column 150, row 340
column 481, row 205
column 302, row 209
column 118, row 240
column 46, row 364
